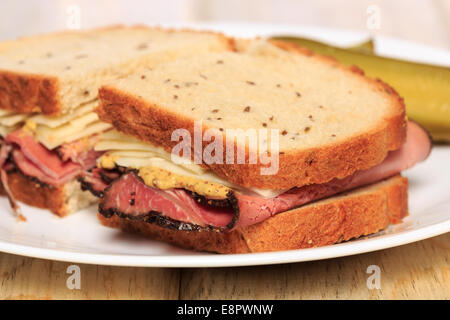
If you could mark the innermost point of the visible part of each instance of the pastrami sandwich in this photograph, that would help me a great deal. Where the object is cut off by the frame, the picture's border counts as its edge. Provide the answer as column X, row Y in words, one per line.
column 48, row 91
column 266, row 148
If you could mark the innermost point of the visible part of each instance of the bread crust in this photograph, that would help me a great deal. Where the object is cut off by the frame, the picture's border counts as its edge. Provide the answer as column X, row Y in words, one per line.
column 40, row 195
column 351, row 215
column 151, row 123
column 25, row 92
column 37, row 195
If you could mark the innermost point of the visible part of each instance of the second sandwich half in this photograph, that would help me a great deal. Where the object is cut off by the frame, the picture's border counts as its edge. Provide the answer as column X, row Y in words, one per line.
column 48, row 93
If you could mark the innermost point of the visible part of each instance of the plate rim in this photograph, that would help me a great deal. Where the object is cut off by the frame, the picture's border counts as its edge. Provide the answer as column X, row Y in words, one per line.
column 212, row 260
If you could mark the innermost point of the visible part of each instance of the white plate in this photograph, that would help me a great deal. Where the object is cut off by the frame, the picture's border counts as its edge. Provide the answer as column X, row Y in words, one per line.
column 81, row 239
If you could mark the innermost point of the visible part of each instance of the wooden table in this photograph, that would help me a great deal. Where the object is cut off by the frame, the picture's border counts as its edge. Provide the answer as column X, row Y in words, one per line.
column 419, row 270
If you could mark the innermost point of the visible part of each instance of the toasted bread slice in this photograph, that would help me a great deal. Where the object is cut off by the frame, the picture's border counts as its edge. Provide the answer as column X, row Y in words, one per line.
column 332, row 120
column 62, row 200
column 50, row 74
column 340, row 218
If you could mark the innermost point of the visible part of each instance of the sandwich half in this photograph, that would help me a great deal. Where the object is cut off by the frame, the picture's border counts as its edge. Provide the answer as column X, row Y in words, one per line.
column 181, row 164
column 48, row 93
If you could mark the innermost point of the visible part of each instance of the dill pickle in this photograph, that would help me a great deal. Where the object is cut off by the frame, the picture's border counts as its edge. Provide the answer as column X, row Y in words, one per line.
column 364, row 47
column 425, row 88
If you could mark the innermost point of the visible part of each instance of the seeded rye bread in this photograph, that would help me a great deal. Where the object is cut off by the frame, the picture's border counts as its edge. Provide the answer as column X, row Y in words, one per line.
column 51, row 74
column 340, row 218
column 332, row 119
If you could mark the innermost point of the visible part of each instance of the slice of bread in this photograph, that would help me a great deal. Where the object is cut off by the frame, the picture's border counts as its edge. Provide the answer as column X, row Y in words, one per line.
column 332, row 120
column 53, row 73
column 62, row 200
column 340, row 218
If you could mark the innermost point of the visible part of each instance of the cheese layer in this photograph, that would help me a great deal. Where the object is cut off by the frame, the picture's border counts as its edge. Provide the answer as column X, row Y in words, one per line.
column 52, row 132
column 157, row 168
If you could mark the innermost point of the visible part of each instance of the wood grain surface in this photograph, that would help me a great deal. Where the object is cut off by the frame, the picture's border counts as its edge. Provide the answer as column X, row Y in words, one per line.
column 419, row 270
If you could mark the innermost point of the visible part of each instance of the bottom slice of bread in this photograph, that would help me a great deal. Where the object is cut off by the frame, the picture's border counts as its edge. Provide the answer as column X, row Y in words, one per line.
column 349, row 215
column 61, row 200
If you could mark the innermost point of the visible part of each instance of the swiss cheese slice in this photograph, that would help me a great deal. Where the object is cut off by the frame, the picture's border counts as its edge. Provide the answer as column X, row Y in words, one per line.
column 127, row 151
column 54, row 131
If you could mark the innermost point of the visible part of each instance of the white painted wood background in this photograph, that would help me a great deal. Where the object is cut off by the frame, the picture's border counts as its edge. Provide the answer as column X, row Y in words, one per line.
column 425, row 21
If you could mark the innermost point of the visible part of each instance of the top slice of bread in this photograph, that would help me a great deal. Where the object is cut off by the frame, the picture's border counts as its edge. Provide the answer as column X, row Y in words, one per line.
column 332, row 119
column 51, row 74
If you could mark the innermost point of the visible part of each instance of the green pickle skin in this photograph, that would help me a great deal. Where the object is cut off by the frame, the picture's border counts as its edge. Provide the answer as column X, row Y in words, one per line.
column 425, row 88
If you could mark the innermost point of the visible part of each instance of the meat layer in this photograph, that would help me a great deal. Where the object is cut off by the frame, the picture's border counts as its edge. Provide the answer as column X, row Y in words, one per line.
column 48, row 166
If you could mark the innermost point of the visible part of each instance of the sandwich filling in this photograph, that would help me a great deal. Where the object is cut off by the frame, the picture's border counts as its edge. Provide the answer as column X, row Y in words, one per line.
column 50, row 151
column 138, row 190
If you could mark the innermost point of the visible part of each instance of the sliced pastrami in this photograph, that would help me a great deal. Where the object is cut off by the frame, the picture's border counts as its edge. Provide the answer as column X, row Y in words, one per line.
column 49, row 167
column 135, row 200
column 29, row 169
column 416, row 149
column 4, row 155
column 80, row 152
column 45, row 160
column 20, row 152
column 97, row 180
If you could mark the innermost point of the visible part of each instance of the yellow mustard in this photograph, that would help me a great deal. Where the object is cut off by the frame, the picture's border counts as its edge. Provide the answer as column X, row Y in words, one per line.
column 108, row 162
column 163, row 179
column 29, row 126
